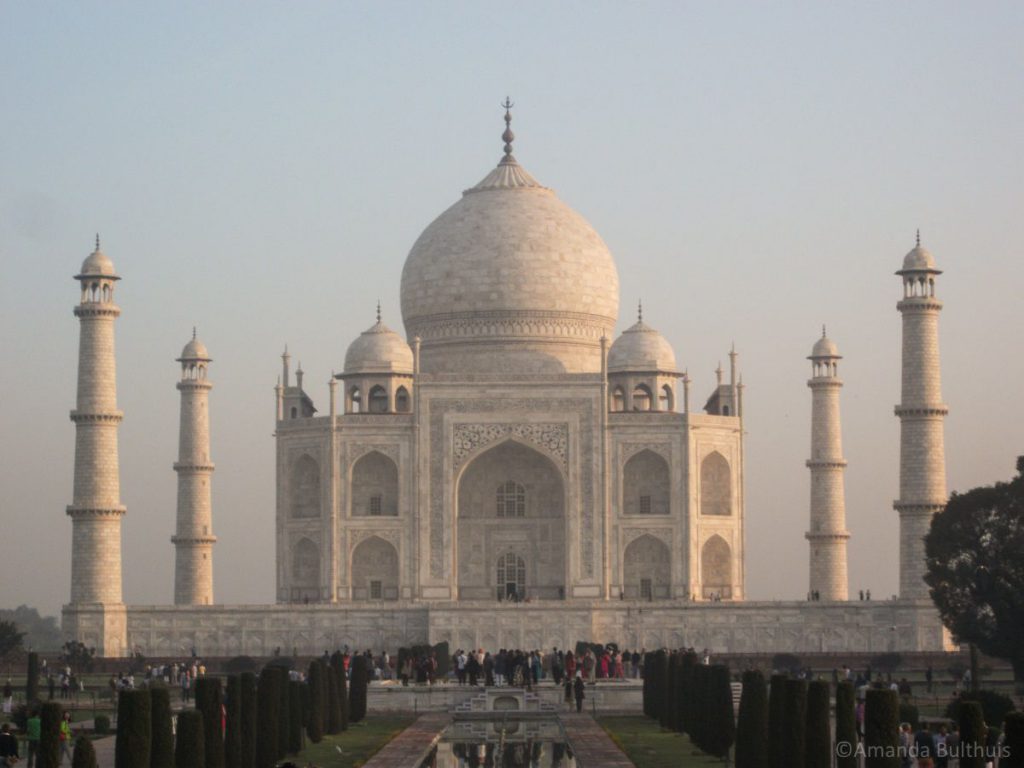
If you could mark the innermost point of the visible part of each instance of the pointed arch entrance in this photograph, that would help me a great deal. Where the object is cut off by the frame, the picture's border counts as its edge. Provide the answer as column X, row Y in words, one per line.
column 510, row 520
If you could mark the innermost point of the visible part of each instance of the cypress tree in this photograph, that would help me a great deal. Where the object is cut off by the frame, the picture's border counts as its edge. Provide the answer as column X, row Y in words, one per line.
column 794, row 733
column 818, row 744
column 972, row 735
column 283, row 718
column 333, row 699
column 677, row 692
column 338, row 663
column 209, row 701
column 315, row 724
column 721, row 731
column 752, row 727
column 32, row 679
column 881, row 729
column 647, row 698
column 776, row 721
column 190, row 750
column 1013, row 741
column 84, row 755
column 699, row 726
column 294, row 717
column 247, row 686
column 846, row 725
column 268, row 708
column 134, row 729
column 661, row 686
column 50, row 715
column 357, row 690
column 671, row 704
column 686, row 703
column 233, row 723
column 161, row 745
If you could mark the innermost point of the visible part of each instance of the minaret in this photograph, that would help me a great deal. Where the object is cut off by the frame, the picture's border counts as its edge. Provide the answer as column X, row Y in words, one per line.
column 194, row 540
column 921, row 413
column 828, row 534
column 96, row 611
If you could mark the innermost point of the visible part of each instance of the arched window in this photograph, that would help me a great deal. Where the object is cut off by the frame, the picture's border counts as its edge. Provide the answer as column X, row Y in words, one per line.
column 646, row 484
column 715, row 485
column 618, row 399
column 106, row 293
column 716, row 569
column 295, row 412
column 355, row 398
column 641, row 398
column 378, row 400
column 511, row 577
column 511, row 500
column 374, row 486
column 665, row 399
column 402, row 400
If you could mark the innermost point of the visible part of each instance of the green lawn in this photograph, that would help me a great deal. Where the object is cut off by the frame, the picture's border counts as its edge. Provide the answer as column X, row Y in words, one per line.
column 648, row 746
column 358, row 744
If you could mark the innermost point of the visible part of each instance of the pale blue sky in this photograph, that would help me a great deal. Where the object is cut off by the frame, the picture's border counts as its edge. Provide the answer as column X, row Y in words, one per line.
column 261, row 170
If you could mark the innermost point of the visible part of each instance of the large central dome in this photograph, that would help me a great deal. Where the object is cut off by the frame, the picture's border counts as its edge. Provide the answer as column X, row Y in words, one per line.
column 510, row 279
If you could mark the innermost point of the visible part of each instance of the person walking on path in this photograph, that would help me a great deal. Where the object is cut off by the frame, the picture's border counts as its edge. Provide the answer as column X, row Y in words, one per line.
column 578, row 688
column 65, row 737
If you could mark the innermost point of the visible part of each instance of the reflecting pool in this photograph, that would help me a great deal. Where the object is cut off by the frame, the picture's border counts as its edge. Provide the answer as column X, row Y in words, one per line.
column 502, row 743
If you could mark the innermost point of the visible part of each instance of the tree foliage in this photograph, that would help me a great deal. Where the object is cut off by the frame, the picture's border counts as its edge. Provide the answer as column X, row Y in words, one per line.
column 358, row 689
column 975, row 570
column 233, row 723
column 1013, row 734
column 846, row 724
column 78, row 655
column 209, row 700
column 268, row 709
column 248, row 727
column 42, row 633
column 882, row 729
column 190, row 750
column 10, row 638
column 752, row 726
column 818, row 739
column 134, row 729
column 162, row 731
column 84, row 755
column 49, row 735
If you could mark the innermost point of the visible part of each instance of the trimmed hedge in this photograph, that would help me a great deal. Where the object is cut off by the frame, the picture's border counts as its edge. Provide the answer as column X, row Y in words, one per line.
column 247, row 686
column 1013, row 740
column 333, row 699
column 134, row 729
column 190, row 750
column 315, row 721
column 972, row 735
column 233, row 723
column 776, row 720
column 209, row 700
column 50, row 714
column 846, row 724
column 84, row 755
column 161, row 745
column 882, row 729
column 752, row 727
column 32, row 679
column 818, row 742
column 338, row 665
column 794, row 732
column 685, row 692
column 268, row 708
column 294, row 717
column 283, row 718
column 101, row 725
column 357, row 689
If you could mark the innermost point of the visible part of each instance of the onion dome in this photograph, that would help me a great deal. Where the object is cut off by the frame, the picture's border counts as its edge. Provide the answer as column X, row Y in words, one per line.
column 195, row 350
column 824, row 347
column 510, row 277
column 641, row 348
column 97, row 264
column 378, row 349
column 919, row 259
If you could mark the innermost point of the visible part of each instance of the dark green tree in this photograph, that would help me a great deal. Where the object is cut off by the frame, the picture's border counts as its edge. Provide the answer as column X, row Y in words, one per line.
column 233, row 723
column 209, row 700
column 1013, row 735
column 882, row 729
column 752, row 725
column 161, row 745
column 32, row 679
column 647, row 694
column 84, row 755
column 247, row 686
column 794, row 734
column 721, row 733
column 661, row 671
column 701, row 710
column 283, row 717
column 315, row 721
column 268, row 708
column 846, row 724
column 975, row 570
column 190, row 750
column 333, row 699
column 338, row 665
column 818, row 743
column 50, row 715
column 671, row 702
column 776, row 721
column 294, row 717
column 685, row 691
column 10, row 638
column 358, row 689
column 972, row 735
column 134, row 729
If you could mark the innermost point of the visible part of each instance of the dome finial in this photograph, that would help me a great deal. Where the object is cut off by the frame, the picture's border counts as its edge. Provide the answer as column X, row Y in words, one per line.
column 640, row 310
column 378, row 310
column 508, row 136
column 918, row 241
column 193, row 333
column 97, row 242
column 823, row 330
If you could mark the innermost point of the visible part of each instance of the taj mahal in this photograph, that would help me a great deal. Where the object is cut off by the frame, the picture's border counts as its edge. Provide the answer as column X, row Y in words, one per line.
column 507, row 472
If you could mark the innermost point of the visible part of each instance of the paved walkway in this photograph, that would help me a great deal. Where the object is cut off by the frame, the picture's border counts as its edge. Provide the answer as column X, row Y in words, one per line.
column 592, row 746
column 412, row 746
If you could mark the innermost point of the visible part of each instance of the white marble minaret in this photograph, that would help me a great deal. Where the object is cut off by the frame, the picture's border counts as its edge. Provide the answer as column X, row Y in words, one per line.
column 828, row 534
column 96, row 611
column 194, row 539
column 921, row 413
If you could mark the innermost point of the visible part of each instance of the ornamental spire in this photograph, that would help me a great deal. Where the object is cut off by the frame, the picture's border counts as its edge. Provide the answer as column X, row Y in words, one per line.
column 97, row 242
column 508, row 137
column 640, row 310
column 918, row 238
column 378, row 310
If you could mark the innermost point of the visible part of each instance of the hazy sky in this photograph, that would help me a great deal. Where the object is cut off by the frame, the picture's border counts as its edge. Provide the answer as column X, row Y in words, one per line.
column 261, row 170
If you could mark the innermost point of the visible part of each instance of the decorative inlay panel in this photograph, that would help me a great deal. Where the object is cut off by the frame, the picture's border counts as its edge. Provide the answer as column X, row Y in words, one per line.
column 467, row 438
